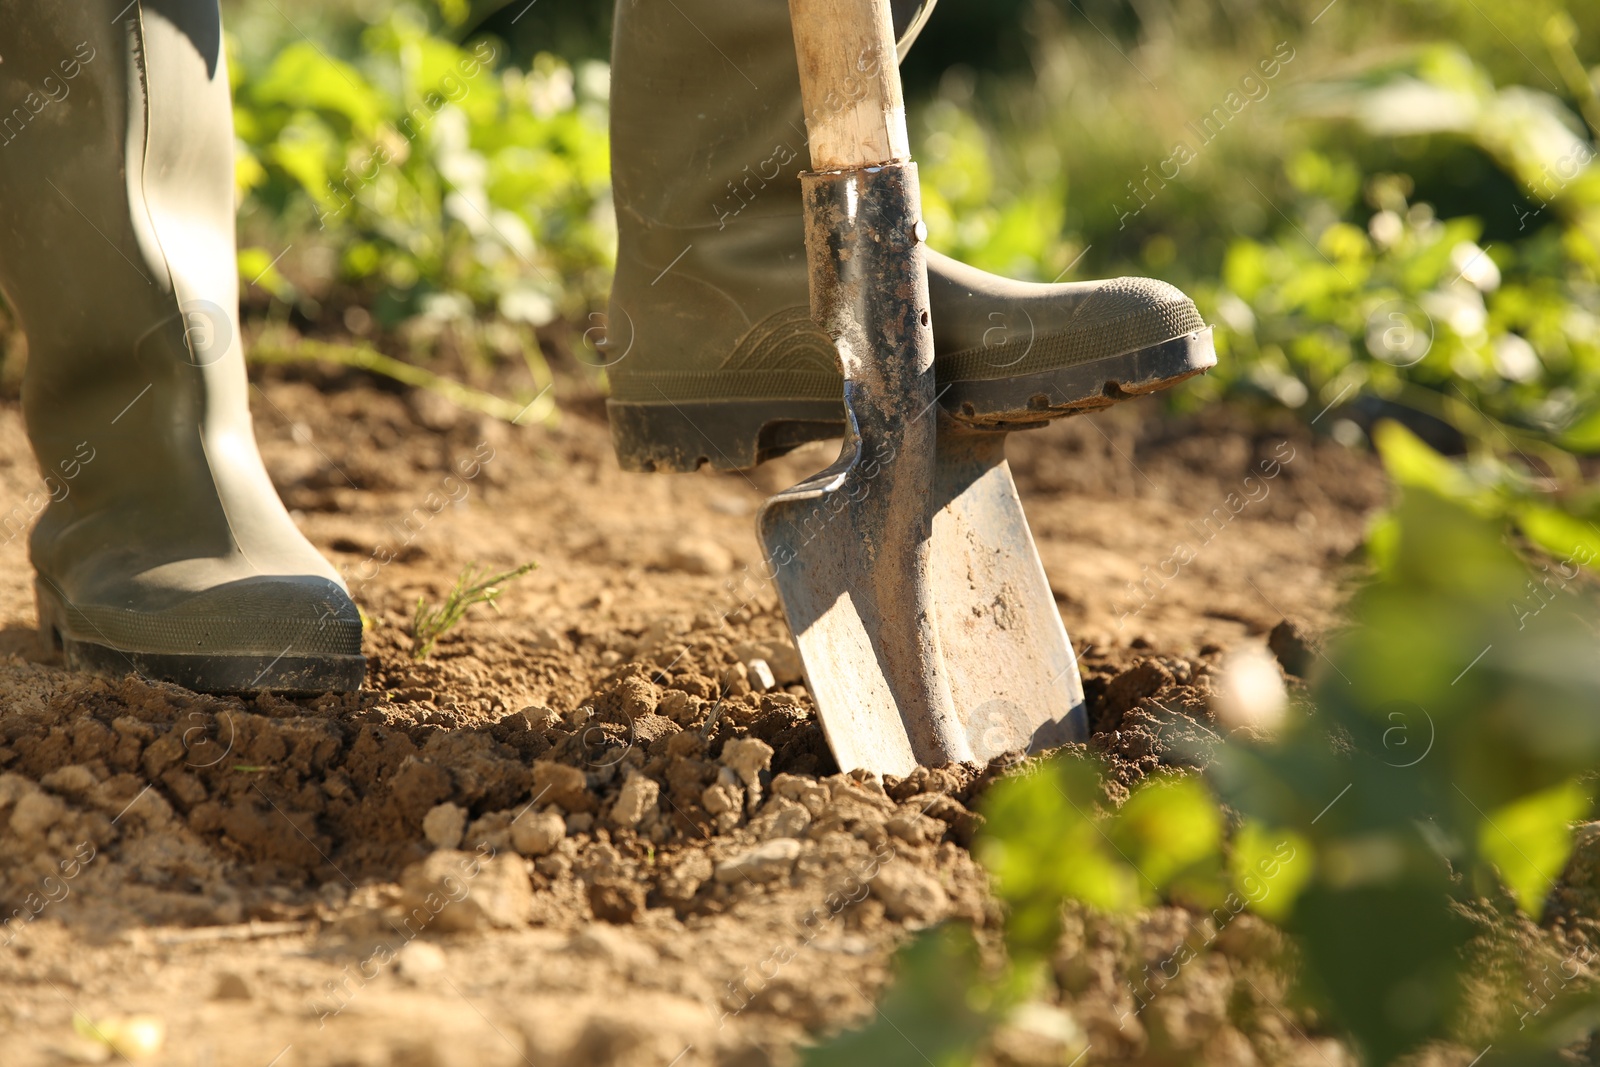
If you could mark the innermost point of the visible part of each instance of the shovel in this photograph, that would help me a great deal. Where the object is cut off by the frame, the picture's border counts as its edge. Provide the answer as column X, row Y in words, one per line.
column 915, row 532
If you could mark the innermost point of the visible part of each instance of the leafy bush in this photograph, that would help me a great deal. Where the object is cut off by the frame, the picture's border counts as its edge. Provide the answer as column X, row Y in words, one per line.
column 430, row 179
column 1451, row 746
column 1501, row 341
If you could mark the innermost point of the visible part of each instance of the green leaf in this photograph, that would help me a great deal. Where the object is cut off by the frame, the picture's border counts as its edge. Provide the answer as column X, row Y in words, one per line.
column 1270, row 867
column 304, row 76
column 307, row 150
column 1387, row 958
column 1245, row 269
column 1530, row 839
column 1043, row 842
column 1166, row 827
column 1564, row 536
column 256, row 267
column 1583, row 435
column 1410, row 462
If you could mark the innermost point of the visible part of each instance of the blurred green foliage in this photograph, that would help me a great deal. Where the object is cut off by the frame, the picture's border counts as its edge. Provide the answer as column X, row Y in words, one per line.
column 410, row 176
column 1288, row 188
column 1451, row 746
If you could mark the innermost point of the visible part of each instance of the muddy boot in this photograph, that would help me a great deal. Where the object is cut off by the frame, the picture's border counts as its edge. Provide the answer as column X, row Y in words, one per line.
column 711, row 350
column 163, row 548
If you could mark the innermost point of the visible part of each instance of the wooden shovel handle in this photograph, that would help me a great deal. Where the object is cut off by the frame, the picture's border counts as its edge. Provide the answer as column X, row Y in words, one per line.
column 850, row 83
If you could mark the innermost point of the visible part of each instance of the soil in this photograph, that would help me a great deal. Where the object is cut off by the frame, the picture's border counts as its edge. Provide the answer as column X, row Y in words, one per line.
column 584, row 831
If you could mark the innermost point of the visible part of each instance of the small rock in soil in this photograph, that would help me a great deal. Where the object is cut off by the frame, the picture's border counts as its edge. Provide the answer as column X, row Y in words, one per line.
column 1293, row 647
column 444, row 824
column 73, row 779
column 909, row 893
column 35, row 813
column 617, row 947
column 537, row 832
column 780, row 657
column 493, row 830
column 636, row 800
column 616, row 901
column 564, row 786
column 765, row 863
column 786, row 819
column 812, row 795
column 230, row 987
column 760, row 675
column 914, row 828
column 747, row 758
column 418, row 959
column 458, row 891
column 687, row 876
column 699, row 556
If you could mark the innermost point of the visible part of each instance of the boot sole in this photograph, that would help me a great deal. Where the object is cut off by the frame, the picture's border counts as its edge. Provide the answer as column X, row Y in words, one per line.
column 682, row 436
column 1029, row 399
column 243, row 673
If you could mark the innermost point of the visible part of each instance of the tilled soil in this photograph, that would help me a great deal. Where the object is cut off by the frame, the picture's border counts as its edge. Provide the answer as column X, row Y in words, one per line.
column 585, row 830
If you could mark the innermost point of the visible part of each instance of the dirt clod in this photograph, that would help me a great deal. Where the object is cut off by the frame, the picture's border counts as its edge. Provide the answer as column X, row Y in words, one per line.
column 910, row 894
column 461, row 891
column 1293, row 647
column 765, row 863
column 536, row 833
column 444, row 825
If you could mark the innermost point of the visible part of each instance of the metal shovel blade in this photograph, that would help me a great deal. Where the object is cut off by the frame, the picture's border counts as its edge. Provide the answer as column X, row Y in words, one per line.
column 912, row 529
column 850, row 548
column 1012, row 673
column 859, row 601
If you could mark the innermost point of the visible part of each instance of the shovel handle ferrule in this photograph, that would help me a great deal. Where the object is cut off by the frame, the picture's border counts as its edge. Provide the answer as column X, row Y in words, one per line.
column 850, row 83
column 869, row 292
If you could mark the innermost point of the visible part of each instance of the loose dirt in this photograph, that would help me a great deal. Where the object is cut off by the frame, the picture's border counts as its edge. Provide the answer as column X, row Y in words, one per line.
column 585, row 830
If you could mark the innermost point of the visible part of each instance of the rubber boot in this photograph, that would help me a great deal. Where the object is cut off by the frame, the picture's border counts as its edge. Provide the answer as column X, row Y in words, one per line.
column 710, row 348
column 164, row 549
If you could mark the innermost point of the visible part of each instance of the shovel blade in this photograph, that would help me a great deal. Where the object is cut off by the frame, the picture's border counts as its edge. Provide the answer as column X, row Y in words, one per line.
column 893, row 630
column 855, row 581
column 851, row 548
column 1013, row 676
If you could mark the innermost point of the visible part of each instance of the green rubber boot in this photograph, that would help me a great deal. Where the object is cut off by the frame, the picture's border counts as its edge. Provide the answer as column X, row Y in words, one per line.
column 164, row 549
column 710, row 348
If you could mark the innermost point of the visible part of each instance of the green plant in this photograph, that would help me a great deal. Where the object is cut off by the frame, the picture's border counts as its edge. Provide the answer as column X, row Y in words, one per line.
column 472, row 586
column 431, row 178
column 1050, row 838
column 1451, row 745
column 541, row 408
column 1302, row 213
column 1496, row 339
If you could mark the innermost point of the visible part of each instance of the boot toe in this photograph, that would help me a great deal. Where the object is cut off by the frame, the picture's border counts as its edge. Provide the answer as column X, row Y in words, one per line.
column 1017, row 354
column 285, row 633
